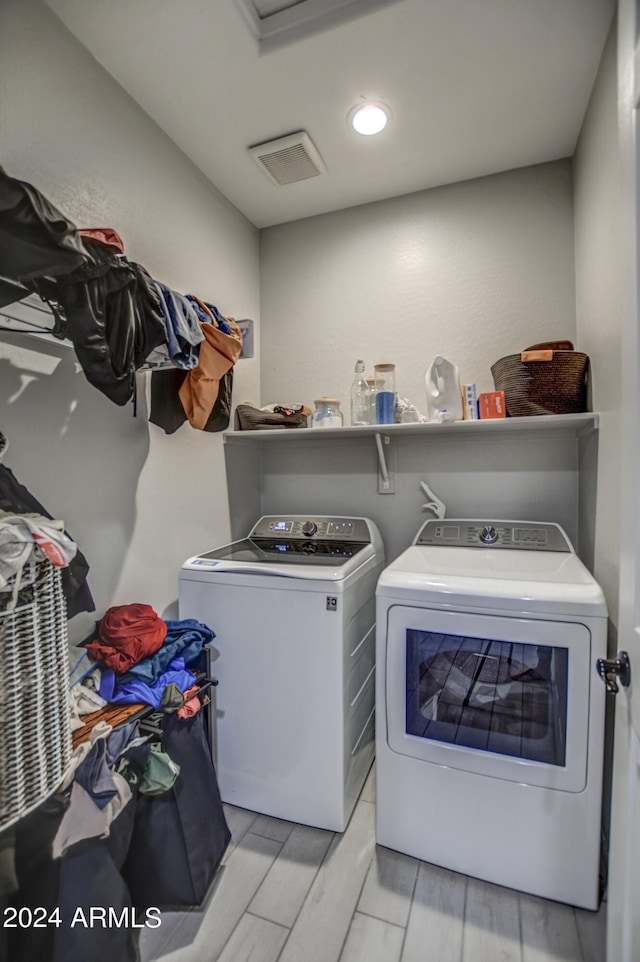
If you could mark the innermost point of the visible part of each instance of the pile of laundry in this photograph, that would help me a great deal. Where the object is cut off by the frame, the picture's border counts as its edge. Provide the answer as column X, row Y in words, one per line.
column 28, row 531
column 116, row 315
column 100, row 777
column 133, row 657
column 137, row 823
column 138, row 658
column 21, row 535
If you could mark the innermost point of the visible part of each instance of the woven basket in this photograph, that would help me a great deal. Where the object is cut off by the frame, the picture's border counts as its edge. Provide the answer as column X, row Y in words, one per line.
column 35, row 734
column 250, row 418
column 548, row 378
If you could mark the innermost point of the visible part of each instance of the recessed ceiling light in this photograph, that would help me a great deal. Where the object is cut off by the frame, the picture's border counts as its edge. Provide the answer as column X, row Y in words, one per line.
column 369, row 118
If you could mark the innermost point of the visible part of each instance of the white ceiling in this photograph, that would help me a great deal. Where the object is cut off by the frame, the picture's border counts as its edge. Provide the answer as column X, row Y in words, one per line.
column 475, row 87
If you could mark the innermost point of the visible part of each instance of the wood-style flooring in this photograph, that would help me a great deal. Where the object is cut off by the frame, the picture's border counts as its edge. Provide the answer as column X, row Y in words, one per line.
column 290, row 893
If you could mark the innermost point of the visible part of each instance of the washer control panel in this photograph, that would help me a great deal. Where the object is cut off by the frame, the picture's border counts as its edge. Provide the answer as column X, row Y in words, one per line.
column 312, row 528
column 520, row 535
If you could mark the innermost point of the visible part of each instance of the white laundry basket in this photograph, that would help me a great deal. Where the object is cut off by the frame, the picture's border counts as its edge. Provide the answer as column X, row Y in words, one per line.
column 35, row 733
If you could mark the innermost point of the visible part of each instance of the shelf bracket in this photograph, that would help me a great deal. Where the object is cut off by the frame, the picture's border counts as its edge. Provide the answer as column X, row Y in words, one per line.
column 386, row 465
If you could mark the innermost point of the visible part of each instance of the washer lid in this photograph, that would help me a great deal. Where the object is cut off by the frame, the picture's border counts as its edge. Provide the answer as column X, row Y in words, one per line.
column 278, row 551
column 294, row 546
column 515, row 580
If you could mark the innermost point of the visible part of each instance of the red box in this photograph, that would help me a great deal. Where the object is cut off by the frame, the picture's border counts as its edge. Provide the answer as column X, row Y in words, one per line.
column 491, row 405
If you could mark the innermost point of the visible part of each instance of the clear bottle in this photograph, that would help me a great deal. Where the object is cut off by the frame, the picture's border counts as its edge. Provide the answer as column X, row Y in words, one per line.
column 385, row 384
column 359, row 397
column 327, row 413
column 371, row 398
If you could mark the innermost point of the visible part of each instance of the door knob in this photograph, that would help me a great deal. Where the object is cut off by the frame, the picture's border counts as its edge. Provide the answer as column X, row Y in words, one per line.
column 613, row 670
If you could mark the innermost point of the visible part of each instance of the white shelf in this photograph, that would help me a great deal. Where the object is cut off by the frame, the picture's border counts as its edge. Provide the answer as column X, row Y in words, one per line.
column 558, row 425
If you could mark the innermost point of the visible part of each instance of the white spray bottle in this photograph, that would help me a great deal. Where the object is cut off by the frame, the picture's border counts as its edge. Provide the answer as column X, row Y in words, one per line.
column 444, row 396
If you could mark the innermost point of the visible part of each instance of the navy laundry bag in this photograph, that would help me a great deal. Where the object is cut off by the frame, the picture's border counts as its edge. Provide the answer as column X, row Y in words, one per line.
column 180, row 836
column 88, row 875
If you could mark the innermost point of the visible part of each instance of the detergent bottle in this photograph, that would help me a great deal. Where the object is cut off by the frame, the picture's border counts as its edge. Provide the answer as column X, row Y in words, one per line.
column 444, row 396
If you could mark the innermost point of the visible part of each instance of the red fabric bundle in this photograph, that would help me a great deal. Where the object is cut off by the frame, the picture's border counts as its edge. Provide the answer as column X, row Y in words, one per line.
column 104, row 235
column 127, row 634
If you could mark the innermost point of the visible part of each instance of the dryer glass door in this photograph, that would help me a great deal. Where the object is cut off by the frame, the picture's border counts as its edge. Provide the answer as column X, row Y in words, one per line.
column 501, row 696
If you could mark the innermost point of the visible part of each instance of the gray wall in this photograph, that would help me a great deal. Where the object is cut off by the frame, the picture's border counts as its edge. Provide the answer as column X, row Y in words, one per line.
column 137, row 501
column 521, row 475
column 474, row 271
column 598, row 305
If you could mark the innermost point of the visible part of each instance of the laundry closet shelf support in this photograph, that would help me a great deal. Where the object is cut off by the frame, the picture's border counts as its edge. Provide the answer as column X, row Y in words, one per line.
column 386, row 464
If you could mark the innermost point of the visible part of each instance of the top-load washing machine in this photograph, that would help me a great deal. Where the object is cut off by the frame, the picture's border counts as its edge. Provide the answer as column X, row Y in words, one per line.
column 293, row 610
column 490, row 715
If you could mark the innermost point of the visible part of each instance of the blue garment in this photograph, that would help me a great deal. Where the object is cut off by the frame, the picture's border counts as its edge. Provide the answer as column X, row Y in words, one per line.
column 118, row 740
column 120, row 692
column 185, row 638
column 183, row 328
column 94, row 776
column 94, row 772
column 80, row 665
column 204, row 317
column 222, row 322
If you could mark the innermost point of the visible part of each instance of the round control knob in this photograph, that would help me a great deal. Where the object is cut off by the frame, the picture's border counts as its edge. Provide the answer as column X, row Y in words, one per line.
column 309, row 528
column 488, row 535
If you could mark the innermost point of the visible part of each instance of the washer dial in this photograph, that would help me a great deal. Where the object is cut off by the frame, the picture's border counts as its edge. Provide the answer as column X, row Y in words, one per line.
column 488, row 535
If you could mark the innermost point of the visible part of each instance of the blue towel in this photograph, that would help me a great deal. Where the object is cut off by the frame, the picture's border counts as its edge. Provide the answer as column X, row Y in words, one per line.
column 116, row 690
column 184, row 638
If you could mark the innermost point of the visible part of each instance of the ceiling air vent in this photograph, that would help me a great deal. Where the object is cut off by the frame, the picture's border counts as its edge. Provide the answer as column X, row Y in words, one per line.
column 288, row 159
column 279, row 21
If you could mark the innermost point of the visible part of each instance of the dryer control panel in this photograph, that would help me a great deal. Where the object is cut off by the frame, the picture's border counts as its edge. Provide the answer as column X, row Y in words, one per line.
column 520, row 535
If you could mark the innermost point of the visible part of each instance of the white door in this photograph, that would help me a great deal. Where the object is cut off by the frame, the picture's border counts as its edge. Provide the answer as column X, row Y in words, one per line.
column 461, row 694
column 623, row 910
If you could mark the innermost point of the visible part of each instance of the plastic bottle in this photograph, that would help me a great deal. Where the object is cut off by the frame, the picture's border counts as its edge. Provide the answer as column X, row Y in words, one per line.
column 444, row 396
column 359, row 397
column 385, row 375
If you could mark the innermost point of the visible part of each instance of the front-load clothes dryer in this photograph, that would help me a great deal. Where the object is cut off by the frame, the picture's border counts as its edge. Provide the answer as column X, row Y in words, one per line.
column 293, row 610
column 490, row 716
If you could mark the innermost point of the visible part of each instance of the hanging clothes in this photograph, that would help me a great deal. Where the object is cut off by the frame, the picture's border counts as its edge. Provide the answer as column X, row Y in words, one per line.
column 167, row 411
column 113, row 317
column 209, row 313
column 110, row 309
column 36, row 240
column 218, row 353
column 104, row 235
column 183, row 329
